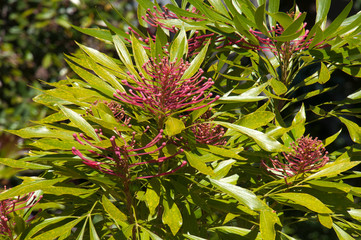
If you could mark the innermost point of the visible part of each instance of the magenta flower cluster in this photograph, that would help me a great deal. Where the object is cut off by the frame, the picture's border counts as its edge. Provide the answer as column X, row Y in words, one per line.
column 157, row 19
column 164, row 91
column 118, row 159
column 208, row 133
column 8, row 206
column 282, row 49
column 308, row 154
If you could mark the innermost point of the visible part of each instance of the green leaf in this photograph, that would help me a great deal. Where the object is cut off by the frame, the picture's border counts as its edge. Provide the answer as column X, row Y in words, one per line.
column 322, row 8
column 333, row 169
column 260, row 19
column 250, row 95
column 336, row 23
column 341, row 234
column 228, row 153
column 263, row 140
column 172, row 216
column 81, row 234
column 324, row 74
column 22, row 164
column 151, row 234
column 67, row 190
column 100, row 34
column 80, row 122
column 273, row 7
column 304, row 200
column 267, row 222
column 354, row 71
column 94, row 81
column 174, row 126
column 92, row 231
column 124, row 55
column 282, row 18
column 294, row 26
column 192, row 237
column 223, row 168
column 100, row 58
column 44, row 224
column 235, row 230
column 28, row 187
column 179, row 46
column 278, row 86
column 41, row 131
column 243, row 195
column 353, row 129
column 140, row 56
column 355, row 213
column 196, row 63
column 325, row 220
column 105, row 75
column 331, row 139
column 152, row 200
column 198, row 164
column 113, row 211
column 256, row 119
column 56, row 232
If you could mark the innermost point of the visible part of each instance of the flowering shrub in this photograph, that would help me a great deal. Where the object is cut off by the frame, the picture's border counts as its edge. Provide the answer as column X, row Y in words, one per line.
column 195, row 128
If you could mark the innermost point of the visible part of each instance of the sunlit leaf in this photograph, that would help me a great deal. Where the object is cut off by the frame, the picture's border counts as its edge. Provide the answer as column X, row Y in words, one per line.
column 304, row 200
column 172, row 216
column 174, row 126
column 244, row 196
column 264, row 141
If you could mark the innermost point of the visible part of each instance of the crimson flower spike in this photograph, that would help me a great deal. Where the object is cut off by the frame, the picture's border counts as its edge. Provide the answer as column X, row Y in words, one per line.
column 158, row 18
column 9, row 206
column 118, row 164
column 272, row 45
column 165, row 92
column 308, row 154
column 208, row 133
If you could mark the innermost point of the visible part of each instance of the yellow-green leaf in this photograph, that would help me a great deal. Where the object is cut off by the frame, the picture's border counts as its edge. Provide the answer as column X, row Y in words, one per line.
column 173, row 126
column 113, row 211
column 198, row 164
column 303, row 199
column 172, row 216
column 80, row 122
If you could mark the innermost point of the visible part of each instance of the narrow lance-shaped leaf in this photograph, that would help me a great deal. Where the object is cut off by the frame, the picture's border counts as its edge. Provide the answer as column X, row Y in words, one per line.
column 353, row 129
column 124, row 55
column 80, row 122
column 140, row 56
column 244, row 196
column 263, row 140
column 113, row 211
column 179, row 46
column 196, row 63
column 303, row 199
column 22, row 164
